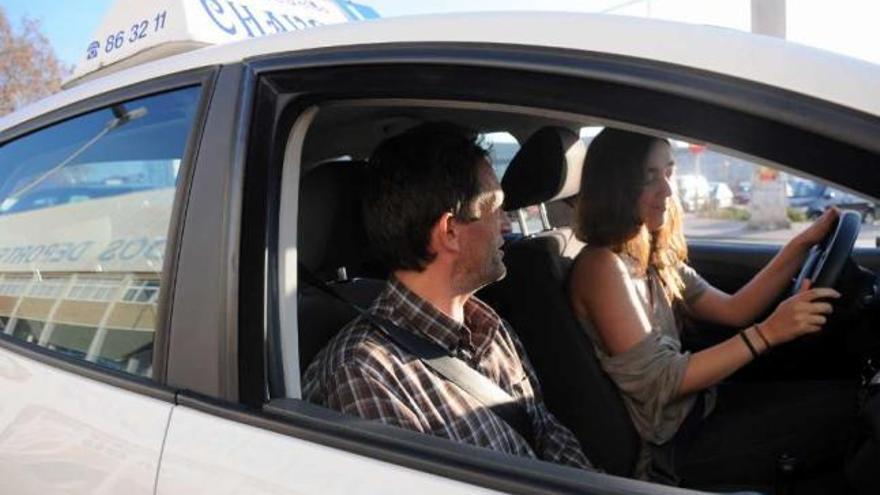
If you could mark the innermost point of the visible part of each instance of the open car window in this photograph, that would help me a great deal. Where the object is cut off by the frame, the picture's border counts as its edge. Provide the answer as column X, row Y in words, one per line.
column 332, row 124
column 734, row 199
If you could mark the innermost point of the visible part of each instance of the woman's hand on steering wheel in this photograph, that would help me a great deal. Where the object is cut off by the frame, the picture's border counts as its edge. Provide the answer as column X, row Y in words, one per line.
column 815, row 233
column 834, row 235
column 800, row 314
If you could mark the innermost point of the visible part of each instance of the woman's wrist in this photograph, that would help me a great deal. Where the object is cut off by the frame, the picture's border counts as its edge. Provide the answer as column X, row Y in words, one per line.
column 767, row 332
column 763, row 337
column 753, row 350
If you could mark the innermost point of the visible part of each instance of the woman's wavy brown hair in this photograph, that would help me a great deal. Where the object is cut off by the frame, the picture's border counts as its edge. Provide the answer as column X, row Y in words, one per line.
column 606, row 212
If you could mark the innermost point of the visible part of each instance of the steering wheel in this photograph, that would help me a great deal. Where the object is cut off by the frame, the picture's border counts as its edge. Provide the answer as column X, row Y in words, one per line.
column 826, row 260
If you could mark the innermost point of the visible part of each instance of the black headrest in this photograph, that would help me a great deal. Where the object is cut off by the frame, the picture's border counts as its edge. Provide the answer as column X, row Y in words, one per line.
column 330, row 233
column 547, row 167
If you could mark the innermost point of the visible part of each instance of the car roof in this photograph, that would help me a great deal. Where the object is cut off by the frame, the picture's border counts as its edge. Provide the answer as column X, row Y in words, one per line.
column 824, row 75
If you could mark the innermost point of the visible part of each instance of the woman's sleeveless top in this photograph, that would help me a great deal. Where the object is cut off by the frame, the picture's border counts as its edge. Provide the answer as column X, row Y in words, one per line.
column 649, row 373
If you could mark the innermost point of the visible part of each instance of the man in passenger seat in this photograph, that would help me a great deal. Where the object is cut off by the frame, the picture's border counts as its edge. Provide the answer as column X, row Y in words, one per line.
column 432, row 210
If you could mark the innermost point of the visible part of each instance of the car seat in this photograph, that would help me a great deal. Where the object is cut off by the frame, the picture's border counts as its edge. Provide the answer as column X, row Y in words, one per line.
column 533, row 297
column 332, row 244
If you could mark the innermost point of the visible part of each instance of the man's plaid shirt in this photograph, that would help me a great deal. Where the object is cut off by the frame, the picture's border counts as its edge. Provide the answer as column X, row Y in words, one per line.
column 363, row 372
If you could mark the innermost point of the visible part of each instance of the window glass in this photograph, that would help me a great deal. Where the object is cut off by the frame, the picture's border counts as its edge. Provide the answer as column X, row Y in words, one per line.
column 729, row 199
column 502, row 148
column 84, row 210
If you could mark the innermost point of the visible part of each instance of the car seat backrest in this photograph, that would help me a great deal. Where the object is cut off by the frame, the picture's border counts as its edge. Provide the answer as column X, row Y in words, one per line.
column 331, row 237
column 534, row 299
column 321, row 316
column 330, row 232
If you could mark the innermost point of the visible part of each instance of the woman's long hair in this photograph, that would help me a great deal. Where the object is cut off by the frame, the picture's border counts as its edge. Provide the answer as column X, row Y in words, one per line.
column 607, row 208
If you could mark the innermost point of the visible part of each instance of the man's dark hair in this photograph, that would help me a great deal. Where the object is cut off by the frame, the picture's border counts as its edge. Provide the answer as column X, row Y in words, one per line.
column 411, row 180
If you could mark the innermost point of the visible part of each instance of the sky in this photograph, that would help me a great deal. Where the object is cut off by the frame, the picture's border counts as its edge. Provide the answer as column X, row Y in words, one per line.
column 67, row 23
column 843, row 26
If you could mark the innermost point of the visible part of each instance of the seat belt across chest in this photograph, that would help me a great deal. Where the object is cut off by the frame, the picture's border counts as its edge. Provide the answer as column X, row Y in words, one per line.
column 442, row 363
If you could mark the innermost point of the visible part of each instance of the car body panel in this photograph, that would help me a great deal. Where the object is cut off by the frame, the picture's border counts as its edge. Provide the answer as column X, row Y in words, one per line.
column 816, row 73
column 63, row 433
column 206, row 454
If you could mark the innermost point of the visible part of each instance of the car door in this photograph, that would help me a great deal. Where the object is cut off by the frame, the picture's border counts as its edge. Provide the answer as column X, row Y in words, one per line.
column 226, row 433
column 239, row 423
column 213, row 443
column 84, row 287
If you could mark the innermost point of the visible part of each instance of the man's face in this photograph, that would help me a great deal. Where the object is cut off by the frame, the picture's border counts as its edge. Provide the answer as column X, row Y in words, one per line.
column 480, row 261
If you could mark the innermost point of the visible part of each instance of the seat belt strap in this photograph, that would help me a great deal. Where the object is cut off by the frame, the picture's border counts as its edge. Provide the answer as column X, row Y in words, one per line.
column 441, row 362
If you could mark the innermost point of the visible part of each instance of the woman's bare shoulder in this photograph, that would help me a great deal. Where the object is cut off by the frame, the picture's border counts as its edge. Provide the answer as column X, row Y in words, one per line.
column 598, row 261
column 597, row 270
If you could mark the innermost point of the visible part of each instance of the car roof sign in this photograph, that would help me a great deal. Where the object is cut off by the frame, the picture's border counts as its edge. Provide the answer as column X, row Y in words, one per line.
column 134, row 32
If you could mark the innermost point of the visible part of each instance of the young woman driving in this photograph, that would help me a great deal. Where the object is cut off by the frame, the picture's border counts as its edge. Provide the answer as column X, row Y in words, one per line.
column 630, row 286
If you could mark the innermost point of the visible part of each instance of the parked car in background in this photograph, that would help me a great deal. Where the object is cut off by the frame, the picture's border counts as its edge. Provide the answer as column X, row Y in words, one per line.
column 742, row 193
column 720, row 195
column 693, row 191
column 813, row 198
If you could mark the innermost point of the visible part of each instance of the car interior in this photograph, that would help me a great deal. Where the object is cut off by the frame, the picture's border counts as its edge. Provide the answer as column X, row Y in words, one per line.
column 333, row 144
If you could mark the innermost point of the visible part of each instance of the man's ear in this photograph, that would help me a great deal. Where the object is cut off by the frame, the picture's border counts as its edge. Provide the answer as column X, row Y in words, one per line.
column 445, row 235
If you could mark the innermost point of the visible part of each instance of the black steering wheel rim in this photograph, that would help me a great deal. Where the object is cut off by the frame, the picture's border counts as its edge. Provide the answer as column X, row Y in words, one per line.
column 826, row 260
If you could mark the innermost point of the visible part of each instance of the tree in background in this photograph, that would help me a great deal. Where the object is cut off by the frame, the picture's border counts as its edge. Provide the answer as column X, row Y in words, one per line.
column 29, row 69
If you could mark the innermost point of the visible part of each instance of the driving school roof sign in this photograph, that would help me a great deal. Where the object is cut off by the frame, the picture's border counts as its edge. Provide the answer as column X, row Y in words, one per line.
column 135, row 31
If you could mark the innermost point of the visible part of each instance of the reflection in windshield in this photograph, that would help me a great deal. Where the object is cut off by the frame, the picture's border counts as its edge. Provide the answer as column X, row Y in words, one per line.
column 105, row 153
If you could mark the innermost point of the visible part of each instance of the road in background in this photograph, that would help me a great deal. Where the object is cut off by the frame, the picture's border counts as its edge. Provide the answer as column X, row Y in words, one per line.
column 697, row 227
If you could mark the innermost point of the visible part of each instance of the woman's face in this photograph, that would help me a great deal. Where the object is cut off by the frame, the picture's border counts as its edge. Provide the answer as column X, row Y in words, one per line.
column 657, row 189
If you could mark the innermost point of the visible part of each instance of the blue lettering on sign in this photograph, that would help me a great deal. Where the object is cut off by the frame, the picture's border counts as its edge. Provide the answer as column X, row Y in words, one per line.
column 44, row 253
column 155, row 250
column 109, row 253
column 226, row 18
column 133, row 248
column 275, row 23
column 79, row 250
column 124, row 249
column 296, row 22
column 217, row 10
column 132, row 34
column 246, row 20
column 92, row 50
column 240, row 15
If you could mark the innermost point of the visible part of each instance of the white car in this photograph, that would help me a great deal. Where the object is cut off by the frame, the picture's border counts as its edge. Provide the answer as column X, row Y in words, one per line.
column 694, row 191
column 153, row 332
column 720, row 195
